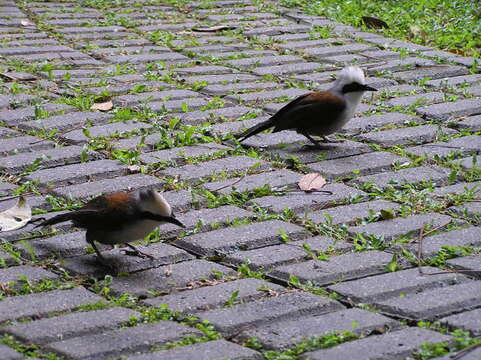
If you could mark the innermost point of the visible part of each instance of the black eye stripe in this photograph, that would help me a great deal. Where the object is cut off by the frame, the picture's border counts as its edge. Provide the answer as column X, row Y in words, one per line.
column 352, row 87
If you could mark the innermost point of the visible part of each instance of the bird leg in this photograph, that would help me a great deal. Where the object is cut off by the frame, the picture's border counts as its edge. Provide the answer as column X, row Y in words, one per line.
column 316, row 143
column 329, row 140
column 101, row 259
column 138, row 252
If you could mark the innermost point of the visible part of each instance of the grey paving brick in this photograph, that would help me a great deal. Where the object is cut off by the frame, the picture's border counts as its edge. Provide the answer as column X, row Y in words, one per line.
column 168, row 278
column 122, row 341
column 432, row 304
column 287, row 69
column 50, row 158
column 309, row 155
column 221, row 79
column 470, row 265
column 406, row 136
column 234, row 127
column 326, row 51
column 361, row 124
column 419, row 99
column 394, row 284
column 394, row 345
column 198, row 171
column 408, row 226
column 122, row 263
column 205, row 220
column 301, row 202
column 215, row 296
column 201, row 116
column 264, row 61
column 357, row 165
column 71, row 325
column 243, row 237
column 239, row 88
column 124, row 183
column 278, row 179
column 128, row 100
column 273, row 256
column 7, row 353
column 206, row 69
column 231, row 321
column 39, row 305
column 470, row 209
column 471, row 123
column 285, row 334
column 24, row 273
column 276, row 30
column 348, row 214
column 13, row 117
column 463, row 145
column 179, row 154
column 336, row 268
column 20, row 144
column 470, row 162
column 460, row 188
column 79, row 173
column 177, row 105
column 438, row 176
column 78, row 136
column 435, row 72
column 475, row 90
column 66, row 122
column 212, row 350
column 469, row 320
column 62, row 245
column 456, row 80
column 450, row 110
column 264, row 96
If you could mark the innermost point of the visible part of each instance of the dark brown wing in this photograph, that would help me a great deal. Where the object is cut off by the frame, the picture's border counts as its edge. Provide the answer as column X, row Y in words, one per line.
column 107, row 212
column 311, row 110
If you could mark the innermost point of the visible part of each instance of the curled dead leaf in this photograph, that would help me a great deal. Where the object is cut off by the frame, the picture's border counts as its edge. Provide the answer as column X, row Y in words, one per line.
column 374, row 23
column 311, row 182
column 16, row 217
column 27, row 22
column 104, row 106
column 214, row 28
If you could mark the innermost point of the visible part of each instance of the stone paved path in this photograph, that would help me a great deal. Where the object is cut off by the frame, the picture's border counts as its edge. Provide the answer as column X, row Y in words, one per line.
column 265, row 265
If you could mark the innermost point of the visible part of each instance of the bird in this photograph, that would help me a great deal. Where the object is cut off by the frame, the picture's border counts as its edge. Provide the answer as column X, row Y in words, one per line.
column 318, row 113
column 119, row 218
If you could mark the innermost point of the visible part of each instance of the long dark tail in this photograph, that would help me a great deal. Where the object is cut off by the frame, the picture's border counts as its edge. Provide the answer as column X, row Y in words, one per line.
column 57, row 219
column 256, row 129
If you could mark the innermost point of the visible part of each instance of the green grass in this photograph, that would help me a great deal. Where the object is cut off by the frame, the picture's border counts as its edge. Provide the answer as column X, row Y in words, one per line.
column 452, row 25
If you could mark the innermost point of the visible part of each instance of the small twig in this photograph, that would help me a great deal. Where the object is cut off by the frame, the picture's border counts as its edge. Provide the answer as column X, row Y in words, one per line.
column 465, row 351
column 420, row 251
column 229, row 185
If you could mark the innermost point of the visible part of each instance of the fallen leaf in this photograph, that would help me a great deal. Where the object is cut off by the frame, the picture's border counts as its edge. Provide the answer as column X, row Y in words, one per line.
column 16, row 217
column 134, row 169
column 27, row 22
column 374, row 23
column 387, row 214
column 105, row 106
column 214, row 28
column 311, row 182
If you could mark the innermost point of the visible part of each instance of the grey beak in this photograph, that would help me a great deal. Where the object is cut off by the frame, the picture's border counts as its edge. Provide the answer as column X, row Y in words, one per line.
column 368, row 88
column 173, row 220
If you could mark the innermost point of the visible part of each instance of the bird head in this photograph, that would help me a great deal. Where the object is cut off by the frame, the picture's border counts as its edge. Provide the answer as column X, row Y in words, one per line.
column 351, row 80
column 150, row 201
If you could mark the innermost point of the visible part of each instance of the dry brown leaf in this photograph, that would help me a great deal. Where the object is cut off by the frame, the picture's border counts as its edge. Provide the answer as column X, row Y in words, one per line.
column 105, row 106
column 374, row 23
column 311, row 182
column 16, row 217
column 27, row 22
column 214, row 28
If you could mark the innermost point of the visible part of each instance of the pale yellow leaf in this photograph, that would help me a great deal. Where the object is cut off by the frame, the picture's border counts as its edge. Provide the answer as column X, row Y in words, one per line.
column 105, row 106
column 27, row 22
column 16, row 217
column 311, row 182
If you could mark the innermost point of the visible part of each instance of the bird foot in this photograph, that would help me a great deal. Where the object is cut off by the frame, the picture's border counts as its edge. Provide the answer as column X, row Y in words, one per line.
column 329, row 140
column 137, row 252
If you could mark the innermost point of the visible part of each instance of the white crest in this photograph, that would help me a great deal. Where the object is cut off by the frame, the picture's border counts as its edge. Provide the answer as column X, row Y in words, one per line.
column 151, row 200
column 351, row 74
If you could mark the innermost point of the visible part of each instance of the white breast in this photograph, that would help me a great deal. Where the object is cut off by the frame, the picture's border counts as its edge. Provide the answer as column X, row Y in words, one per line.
column 130, row 233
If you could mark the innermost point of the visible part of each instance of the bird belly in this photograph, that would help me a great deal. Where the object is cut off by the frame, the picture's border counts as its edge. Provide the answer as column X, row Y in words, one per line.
column 328, row 126
column 128, row 233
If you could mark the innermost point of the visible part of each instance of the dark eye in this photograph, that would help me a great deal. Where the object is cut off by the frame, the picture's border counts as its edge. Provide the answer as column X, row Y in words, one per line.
column 352, row 87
